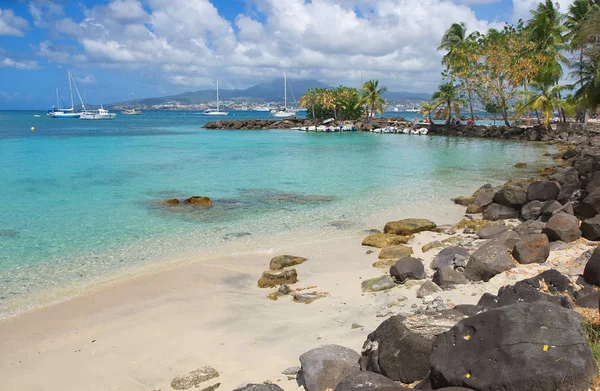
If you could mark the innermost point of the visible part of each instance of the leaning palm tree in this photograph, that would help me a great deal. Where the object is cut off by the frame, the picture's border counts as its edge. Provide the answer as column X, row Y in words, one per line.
column 546, row 100
column 371, row 98
column 447, row 99
column 426, row 109
column 452, row 40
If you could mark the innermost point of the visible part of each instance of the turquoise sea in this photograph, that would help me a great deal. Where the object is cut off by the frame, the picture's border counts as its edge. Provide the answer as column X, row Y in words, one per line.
column 79, row 200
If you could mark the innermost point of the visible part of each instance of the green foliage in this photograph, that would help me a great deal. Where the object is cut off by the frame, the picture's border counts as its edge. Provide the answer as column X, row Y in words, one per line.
column 371, row 99
column 446, row 100
column 591, row 328
column 341, row 103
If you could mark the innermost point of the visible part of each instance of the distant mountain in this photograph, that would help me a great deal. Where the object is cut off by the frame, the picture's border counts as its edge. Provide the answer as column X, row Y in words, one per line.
column 265, row 92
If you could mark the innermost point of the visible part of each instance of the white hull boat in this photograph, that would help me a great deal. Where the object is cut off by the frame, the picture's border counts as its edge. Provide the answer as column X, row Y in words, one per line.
column 64, row 113
column 132, row 110
column 100, row 114
column 217, row 112
column 285, row 113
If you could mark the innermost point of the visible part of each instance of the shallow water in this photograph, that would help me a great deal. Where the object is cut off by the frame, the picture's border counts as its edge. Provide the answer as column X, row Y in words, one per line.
column 80, row 199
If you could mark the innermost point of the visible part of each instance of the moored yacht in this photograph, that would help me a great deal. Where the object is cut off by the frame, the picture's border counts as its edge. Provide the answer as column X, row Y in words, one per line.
column 217, row 111
column 99, row 114
column 56, row 112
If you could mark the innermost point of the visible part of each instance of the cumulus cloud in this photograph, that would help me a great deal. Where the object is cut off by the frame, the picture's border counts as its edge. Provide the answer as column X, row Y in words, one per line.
column 8, row 62
column 336, row 41
column 522, row 8
column 11, row 24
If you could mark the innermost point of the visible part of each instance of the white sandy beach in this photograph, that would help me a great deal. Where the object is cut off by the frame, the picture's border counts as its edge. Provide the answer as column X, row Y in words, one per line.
column 141, row 333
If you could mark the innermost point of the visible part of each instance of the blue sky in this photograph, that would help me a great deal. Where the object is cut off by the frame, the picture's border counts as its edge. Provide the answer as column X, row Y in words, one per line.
column 157, row 47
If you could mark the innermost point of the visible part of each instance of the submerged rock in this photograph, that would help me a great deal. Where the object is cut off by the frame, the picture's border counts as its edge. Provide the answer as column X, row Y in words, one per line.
column 172, row 201
column 198, row 201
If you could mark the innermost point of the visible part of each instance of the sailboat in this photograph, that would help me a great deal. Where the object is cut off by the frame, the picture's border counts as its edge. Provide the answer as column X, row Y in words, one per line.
column 284, row 113
column 55, row 112
column 132, row 110
column 212, row 111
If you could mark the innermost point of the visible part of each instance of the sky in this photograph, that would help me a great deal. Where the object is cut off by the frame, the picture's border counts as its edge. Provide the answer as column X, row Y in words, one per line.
column 163, row 47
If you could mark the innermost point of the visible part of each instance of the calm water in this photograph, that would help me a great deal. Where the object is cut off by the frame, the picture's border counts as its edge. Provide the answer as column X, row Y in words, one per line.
column 79, row 199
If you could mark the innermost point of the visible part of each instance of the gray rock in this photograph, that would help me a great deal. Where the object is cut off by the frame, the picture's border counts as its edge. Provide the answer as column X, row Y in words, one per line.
column 507, row 239
column 368, row 381
column 534, row 346
column 559, row 246
column 194, row 378
column 590, row 228
column 563, row 227
column 291, row 371
column 428, row 288
column 499, row 212
column 487, row 261
column 447, row 278
column 590, row 205
column 543, row 191
column 533, row 249
column 284, row 289
column 529, row 228
column 260, row 387
column 492, row 230
column 408, row 269
column 591, row 300
column 447, row 257
column 326, row 366
column 549, row 209
column 378, row 284
column 532, row 210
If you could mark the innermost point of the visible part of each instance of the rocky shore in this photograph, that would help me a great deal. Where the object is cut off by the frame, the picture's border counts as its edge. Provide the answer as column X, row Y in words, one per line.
column 530, row 335
column 289, row 123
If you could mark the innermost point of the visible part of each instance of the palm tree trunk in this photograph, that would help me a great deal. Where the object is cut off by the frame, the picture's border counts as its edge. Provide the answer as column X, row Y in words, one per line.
column 471, row 105
column 449, row 112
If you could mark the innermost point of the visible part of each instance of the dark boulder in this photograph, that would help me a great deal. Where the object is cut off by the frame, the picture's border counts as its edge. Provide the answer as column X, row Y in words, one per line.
column 447, row 278
column 562, row 227
column 367, row 381
column 590, row 205
column 499, row 212
column 590, row 228
column 592, row 182
column 408, row 269
column 400, row 347
column 591, row 301
column 531, row 210
column 508, row 239
column 469, row 309
column 591, row 272
column 511, row 196
column 533, row 249
column 260, row 387
column 533, row 346
column 326, row 366
column 566, row 176
column 543, row 191
column 481, row 201
column 584, row 165
column 568, row 192
column 489, row 260
column 448, row 256
column 549, row 209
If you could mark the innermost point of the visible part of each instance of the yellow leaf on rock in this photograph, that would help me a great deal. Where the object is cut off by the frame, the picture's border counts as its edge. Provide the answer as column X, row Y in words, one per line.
column 546, row 347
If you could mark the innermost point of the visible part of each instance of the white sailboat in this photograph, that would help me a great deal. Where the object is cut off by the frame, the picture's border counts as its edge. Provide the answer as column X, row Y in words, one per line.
column 212, row 111
column 284, row 113
column 132, row 110
column 55, row 112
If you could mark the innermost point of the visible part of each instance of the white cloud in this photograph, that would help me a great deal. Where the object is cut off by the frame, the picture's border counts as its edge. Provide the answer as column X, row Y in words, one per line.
column 85, row 79
column 191, row 44
column 11, row 24
column 522, row 8
column 8, row 62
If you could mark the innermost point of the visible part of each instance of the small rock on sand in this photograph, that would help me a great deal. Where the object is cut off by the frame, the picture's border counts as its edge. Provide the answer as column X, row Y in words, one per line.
column 194, row 378
column 282, row 261
column 378, row 284
column 271, row 278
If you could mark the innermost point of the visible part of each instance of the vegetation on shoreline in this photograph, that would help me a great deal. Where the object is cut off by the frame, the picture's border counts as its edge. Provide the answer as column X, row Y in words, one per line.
column 519, row 67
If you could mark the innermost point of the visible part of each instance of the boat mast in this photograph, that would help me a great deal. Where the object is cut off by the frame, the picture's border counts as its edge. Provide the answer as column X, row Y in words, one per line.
column 217, row 96
column 284, row 92
column 71, row 90
column 57, row 103
column 78, row 94
column 132, row 102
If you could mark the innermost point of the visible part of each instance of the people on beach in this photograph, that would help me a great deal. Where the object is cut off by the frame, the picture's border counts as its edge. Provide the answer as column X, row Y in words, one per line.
column 470, row 122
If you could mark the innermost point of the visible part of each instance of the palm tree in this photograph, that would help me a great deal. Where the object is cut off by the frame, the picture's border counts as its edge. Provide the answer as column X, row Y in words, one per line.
column 452, row 40
column 447, row 98
column 546, row 100
column 371, row 97
column 426, row 109
column 547, row 35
